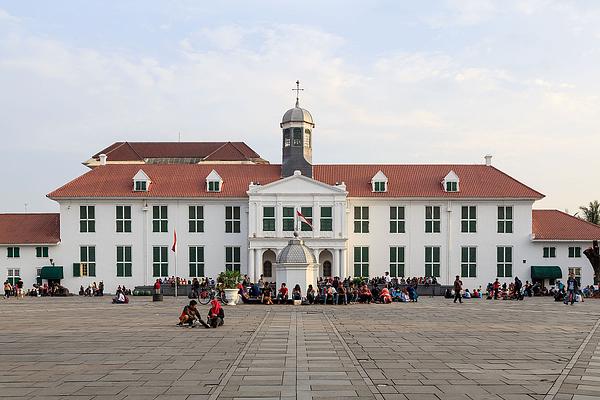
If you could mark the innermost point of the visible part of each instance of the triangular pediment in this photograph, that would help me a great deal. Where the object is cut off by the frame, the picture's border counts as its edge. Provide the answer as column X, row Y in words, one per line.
column 451, row 177
column 214, row 177
column 379, row 177
column 141, row 176
column 296, row 184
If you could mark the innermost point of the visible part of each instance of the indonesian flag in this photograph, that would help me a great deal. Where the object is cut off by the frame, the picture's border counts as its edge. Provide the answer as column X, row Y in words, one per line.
column 174, row 247
column 303, row 219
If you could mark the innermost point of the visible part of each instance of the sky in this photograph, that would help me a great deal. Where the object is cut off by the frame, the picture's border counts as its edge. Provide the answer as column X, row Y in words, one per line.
column 443, row 81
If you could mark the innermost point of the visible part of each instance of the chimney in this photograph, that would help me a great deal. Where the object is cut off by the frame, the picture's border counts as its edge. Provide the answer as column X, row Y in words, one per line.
column 103, row 158
column 488, row 160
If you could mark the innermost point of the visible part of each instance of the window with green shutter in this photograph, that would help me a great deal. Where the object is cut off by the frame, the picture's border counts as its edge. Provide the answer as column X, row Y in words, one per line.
column 160, row 219
column 87, row 257
column 123, row 218
column 13, row 252
column 432, row 261
column 268, row 219
column 396, row 262
column 87, row 219
column 468, row 223
column 307, row 212
column 196, row 219
column 505, row 219
column 41, row 252
column 124, row 263
column 432, row 219
column 397, row 222
column 361, row 219
column 232, row 219
column 504, row 261
column 468, row 265
column 361, row 262
column 288, row 219
column 574, row 252
column 232, row 258
column 326, row 219
column 549, row 252
column 160, row 261
column 196, row 261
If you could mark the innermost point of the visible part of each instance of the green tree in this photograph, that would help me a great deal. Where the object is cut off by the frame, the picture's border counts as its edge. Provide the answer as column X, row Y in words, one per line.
column 591, row 213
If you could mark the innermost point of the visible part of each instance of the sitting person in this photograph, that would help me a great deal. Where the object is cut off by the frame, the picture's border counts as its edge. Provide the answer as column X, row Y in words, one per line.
column 216, row 315
column 120, row 298
column 365, row 295
column 297, row 293
column 448, row 293
column 190, row 314
column 243, row 293
column 476, row 294
column 466, row 294
column 310, row 294
column 267, row 299
column 341, row 295
column 385, row 296
column 404, row 296
column 282, row 296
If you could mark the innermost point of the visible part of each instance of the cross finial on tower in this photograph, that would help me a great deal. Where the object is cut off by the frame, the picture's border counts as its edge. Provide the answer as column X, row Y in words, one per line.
column 297, row 90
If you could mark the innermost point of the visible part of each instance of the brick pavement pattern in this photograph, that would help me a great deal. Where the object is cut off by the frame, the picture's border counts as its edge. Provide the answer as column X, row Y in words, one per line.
column 81, row 348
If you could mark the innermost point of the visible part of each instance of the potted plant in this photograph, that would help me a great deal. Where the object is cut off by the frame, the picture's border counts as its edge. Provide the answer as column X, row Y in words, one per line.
column 230, row 281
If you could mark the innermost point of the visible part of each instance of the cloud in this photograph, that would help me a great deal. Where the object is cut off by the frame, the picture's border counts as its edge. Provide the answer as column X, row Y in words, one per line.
column 234, row 82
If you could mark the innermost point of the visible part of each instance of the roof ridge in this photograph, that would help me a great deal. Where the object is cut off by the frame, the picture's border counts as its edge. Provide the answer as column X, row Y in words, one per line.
column 131, row 147
column 217, row 149
column 516, row 180
column 30, row 213
column 238, row 150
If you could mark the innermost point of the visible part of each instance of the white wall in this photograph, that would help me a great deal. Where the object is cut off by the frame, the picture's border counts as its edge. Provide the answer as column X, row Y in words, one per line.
column 27, row 262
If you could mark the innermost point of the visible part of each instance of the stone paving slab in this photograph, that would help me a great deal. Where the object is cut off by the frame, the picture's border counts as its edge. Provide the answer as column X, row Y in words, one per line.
column 78, row 348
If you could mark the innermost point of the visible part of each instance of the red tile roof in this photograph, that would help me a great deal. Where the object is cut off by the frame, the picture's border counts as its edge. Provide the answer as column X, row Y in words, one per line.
column 29, row 229
column 417, row 180
column 557, row 225
column 188, row 180
column 136, row 151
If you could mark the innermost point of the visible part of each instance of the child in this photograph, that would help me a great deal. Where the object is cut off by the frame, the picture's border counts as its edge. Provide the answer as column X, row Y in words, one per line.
column 216, row 315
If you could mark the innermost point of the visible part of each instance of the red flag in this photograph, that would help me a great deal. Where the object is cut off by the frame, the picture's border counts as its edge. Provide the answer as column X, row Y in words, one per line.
column 303, row 219
column 174, row 248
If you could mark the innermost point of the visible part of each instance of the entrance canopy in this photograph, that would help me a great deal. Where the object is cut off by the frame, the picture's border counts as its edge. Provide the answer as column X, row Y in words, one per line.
column 52, row 272
column 546, row 272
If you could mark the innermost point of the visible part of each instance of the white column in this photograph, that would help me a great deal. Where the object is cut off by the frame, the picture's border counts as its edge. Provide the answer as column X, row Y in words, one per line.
column 336, row 263
column 258, row 263
column 251, row 265
column 343, row 269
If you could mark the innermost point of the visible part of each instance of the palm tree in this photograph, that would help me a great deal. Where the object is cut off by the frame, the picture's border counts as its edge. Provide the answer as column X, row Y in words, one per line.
column 591, row 213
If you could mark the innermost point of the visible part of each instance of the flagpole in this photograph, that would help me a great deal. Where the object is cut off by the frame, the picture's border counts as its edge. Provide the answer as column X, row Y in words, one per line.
column 176, row 278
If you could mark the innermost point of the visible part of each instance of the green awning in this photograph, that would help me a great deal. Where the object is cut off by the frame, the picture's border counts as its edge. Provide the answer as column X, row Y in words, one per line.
column 52, row 273
column 545, row 272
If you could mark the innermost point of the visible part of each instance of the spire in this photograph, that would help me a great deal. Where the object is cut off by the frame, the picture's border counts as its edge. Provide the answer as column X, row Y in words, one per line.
column 297, row 90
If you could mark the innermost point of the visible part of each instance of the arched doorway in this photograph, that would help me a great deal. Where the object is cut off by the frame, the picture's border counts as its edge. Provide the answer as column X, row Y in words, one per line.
column 325, row 263
column 268, row 266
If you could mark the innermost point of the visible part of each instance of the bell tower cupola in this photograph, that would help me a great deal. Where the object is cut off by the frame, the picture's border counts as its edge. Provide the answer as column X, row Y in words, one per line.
column 297, row 125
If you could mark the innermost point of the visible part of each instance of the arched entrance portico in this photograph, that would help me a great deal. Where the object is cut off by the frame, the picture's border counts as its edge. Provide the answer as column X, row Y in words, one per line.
column 325, row 263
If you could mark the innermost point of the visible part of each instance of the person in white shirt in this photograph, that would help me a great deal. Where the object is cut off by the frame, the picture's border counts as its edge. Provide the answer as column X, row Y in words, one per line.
column 387, row 277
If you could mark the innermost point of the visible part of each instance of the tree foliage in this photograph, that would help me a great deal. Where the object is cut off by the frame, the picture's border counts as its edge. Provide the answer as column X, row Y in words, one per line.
column 591, row 212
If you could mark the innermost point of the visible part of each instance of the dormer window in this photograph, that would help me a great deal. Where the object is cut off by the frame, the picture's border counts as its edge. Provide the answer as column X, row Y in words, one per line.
column 141, row 186
column 141, row 182
column 214, row 182
column 451, row 182
column 379, row 182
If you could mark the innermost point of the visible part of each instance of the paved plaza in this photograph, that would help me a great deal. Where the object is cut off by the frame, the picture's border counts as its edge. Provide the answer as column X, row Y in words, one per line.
column 81, row 348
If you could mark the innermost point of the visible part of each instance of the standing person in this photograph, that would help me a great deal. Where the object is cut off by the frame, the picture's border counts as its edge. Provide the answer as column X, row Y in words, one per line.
column 7, row 289
column 517, row 288
column 388, row 278
column 457, row 288
column 157, row 286
column 572, row 288
column 496, row 288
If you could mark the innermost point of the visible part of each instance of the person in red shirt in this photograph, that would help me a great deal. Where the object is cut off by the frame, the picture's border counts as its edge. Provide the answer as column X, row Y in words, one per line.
column 496, row 288
column 282, row 297
column 190, row 314
column 157, row 286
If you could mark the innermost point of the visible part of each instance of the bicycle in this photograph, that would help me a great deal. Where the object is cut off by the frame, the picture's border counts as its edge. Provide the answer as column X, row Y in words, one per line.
column 205, row 295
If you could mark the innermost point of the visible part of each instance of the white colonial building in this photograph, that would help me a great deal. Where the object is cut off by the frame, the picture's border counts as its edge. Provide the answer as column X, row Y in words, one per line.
column 231, row 209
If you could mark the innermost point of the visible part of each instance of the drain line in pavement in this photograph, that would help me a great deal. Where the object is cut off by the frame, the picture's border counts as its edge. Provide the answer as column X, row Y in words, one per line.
column 565, row 372
column 238, row 359
column 355, row 361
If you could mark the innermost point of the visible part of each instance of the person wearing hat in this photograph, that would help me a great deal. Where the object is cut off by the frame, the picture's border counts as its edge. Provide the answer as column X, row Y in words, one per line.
column 457, row 289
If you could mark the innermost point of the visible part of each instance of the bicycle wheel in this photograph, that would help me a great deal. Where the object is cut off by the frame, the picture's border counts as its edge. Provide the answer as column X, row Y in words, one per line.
column 204, row 297
column 223, row 298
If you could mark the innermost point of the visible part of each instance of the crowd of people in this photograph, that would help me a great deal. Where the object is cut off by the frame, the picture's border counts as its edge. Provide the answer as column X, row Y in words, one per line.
column 93, row 289
column 18, row 291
